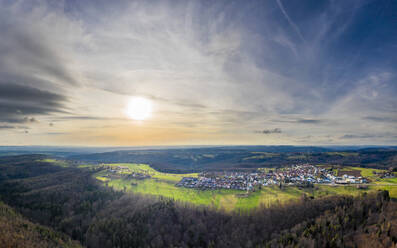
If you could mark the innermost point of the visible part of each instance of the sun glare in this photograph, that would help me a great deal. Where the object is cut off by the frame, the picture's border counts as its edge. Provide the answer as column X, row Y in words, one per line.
column 139, row 108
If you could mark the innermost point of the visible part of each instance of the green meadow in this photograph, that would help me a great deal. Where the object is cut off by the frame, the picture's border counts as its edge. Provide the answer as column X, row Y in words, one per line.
column 163, row 184
column 146, row 169
column 56, row 162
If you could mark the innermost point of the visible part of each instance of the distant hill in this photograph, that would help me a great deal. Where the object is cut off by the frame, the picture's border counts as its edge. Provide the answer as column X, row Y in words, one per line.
column 243, row 157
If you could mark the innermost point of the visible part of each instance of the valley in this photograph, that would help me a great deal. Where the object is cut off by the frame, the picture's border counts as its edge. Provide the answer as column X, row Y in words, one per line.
column 143, row 179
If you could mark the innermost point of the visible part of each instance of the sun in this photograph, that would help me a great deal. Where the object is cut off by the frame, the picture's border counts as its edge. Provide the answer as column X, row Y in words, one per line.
column 139, row 108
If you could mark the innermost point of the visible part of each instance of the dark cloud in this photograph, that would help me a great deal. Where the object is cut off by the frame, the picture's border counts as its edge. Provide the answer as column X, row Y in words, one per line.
column 6, row 127
column 269, row 131
column 32, row 69
column 16, row 92
column 380, row 119
column 19, row 102
column 386, row 135
column 309, row 121
column 18, row 119
column 361, row 136
column 13, row 127
column 302, row 121
column 30, row 120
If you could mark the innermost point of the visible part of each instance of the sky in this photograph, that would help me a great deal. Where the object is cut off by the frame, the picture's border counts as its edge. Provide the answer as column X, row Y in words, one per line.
column 267, row 72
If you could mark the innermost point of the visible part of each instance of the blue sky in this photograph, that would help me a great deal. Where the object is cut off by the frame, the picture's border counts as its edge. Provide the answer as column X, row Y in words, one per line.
column 216, row 72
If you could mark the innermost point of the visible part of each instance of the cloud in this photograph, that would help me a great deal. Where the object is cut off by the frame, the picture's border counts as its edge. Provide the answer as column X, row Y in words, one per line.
column 35, row 70
column 29, row 47
column 355, row 136
column 6, row 127
column 84, row 118
column 309, row 121
column 302, row 121
column 30, row 119
column 293, row 25
column 381, row 119
column 13, row 127
column 269, row 131
column 19, row 102
column 368, row 136
column 56, row 133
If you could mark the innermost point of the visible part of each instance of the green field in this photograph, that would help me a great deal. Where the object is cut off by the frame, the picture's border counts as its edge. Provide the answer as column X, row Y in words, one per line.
column 146, row 169
column 262, row 155
column 344, row 154
column 56, row 162
column 369, row 173
column 163, row 184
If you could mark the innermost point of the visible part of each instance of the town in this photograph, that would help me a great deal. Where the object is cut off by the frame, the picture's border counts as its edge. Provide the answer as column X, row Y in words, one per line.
column 299, row 175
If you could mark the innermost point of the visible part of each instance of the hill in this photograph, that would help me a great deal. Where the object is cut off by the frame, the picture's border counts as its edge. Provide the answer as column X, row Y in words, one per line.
column 224, row 158
column 16, row 231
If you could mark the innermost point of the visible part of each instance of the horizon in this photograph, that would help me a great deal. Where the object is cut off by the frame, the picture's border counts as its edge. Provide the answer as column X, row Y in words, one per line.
column 197, row 73
column 193, row 146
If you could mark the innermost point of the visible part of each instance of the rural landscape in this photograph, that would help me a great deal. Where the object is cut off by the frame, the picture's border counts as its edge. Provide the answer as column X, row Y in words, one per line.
column 198, row 123
column 252, row 186
column 86, row 202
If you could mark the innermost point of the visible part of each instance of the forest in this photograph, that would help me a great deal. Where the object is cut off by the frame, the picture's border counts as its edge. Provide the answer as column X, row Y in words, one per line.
column 69, row 201
column 16, row 231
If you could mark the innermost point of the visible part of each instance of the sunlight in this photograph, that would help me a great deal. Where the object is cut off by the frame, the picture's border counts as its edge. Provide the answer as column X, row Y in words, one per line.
column 139, row 108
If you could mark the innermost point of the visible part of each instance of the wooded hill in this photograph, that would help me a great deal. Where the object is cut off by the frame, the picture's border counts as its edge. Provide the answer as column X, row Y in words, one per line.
column 16, row 231
column 224, row 158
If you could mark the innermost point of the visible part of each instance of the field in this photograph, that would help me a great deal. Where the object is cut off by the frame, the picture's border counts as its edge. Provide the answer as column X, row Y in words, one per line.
column 163, row 184
column 146, row 169
column 56, row 162
column 369, row 173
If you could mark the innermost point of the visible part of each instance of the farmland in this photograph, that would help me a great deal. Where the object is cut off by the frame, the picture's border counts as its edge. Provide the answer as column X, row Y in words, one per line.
column 163, row 185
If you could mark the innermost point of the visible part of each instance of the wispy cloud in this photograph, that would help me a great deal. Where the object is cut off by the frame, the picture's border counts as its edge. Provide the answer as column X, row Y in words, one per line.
column 303, row 121
column 381, row 119
column 13, row 127
column 6, row 127
column 269, row 131
column 293, row 25
column 368, row 136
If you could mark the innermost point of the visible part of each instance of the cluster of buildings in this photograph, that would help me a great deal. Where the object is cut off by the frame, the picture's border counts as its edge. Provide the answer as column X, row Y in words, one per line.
column 295, row 175
column 115, row 172
column 118, row 169
column 384, row 174
column 240, row 182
